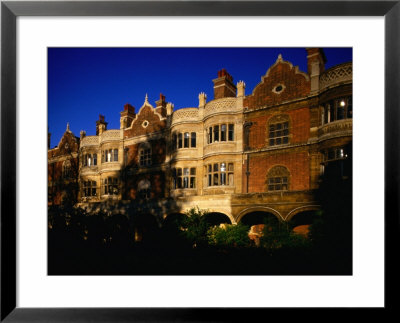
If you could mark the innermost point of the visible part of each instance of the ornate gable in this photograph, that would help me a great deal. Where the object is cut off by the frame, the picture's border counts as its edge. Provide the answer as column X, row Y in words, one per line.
column 282, row 82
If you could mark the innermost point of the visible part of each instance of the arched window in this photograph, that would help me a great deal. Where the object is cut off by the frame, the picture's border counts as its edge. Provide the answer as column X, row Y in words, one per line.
column 66, row 170
column 278, row 179
column 144, row 188
column 278, row 130
column 145, row 154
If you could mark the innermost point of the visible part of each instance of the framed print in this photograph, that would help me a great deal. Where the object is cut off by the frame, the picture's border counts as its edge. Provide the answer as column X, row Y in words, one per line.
column 163, row 212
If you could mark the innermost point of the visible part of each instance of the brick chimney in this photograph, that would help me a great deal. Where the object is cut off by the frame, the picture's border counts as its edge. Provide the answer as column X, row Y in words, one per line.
column 316, row 66
column 127, row 116
column 101, row 125
column 161, row 105
column 223, row 85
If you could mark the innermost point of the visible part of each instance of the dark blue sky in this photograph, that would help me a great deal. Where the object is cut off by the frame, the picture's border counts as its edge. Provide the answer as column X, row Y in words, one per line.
column 86, row 82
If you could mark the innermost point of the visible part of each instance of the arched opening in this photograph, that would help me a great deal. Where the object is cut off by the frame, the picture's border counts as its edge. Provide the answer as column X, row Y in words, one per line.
column 216, row 218
column 300, row 222
column 145, row 228
column 259, row 217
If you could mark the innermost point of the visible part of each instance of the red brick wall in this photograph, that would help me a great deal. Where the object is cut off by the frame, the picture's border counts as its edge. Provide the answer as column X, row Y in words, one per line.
column 296, row 163
column 155, row 124
column 296, row 86
column 299, row 127
column 158, row 148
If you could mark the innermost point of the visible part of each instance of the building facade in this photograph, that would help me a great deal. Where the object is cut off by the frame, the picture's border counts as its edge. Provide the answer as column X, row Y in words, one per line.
column 241, row 157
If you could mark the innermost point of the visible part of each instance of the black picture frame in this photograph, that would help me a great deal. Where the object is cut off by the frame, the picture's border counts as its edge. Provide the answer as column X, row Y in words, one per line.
column 10, row 10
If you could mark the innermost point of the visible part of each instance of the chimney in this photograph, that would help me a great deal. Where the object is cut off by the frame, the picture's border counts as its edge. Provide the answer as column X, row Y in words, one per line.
column 223, row 85
column 170, row 108
column 127, row 116
column 241, row 86
column 202, row 99
column 316, row 66
column 161, row 102
column 101, row 125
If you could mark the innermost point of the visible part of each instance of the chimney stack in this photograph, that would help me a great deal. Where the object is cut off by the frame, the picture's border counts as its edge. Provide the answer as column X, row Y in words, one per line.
column 202, row 99
column 241, row 86
column 316, row 66
column 223, row 85
column 101, row 125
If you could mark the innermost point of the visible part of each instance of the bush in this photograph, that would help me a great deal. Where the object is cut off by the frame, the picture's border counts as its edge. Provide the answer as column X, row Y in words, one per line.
column 279, row 236
column 195, row 226
column 229, row 236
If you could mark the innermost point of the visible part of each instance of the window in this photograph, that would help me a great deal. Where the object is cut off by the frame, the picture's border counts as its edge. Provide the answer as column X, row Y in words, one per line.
column 107, row 156
column 230, row 133
column 145, row 155
column 180, row 140
column 223, row 132
column 278, row 130
column 220, row 174
column 110, row 186
column 278, row 179
column 184, row 178
column 337, row 109
column 66, row 170
column 193, row 140
column 334, row 154
column 144, row 189
column 184, row 140
column 89, row 188
column 216, row 133
column 90, row 160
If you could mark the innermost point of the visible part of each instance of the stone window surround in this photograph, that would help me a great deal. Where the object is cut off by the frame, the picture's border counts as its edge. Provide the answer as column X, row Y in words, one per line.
column 184, row 178
column 220, row 174
column 329, row 109
column 278, row 130
column 184, row 140
column 278, row 179
column 145, row 154
column 89, row 188
column 109, row 155
column 215, row 130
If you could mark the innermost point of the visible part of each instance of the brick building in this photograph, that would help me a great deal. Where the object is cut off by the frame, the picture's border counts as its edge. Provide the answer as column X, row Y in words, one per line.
column 241, row 157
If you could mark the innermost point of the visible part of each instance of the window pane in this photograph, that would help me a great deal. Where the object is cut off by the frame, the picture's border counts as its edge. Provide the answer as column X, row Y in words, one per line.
column 179, row 171
column 193, row 143
column 186, row 171
column 192, row 182
column 230, row 179
column 216, row 133
column 215, row 167
column 215, row 182
column 115, row 154
column 209, row 168
column 180, row 140
column 210, row 135
column 185, row 182
column 230, row 167
column 94, row 159
column 186, row 141
column 223, row 167
column 223, row 132
column 193, row 171
column 223, row 178
column 230, row 133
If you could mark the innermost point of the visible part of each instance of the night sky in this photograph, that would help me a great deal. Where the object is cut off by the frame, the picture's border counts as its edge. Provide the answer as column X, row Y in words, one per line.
column 86, row 82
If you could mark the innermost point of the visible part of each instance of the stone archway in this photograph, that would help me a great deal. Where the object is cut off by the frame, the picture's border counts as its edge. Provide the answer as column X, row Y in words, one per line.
column 217, row 218
column 259, row 210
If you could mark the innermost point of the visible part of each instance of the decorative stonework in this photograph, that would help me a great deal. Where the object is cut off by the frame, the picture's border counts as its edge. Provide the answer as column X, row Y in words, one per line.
column 221, row 105
column 343, row 126
column 335, row 75
column 186, row 114
column 110, row 135
column 90, row 141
